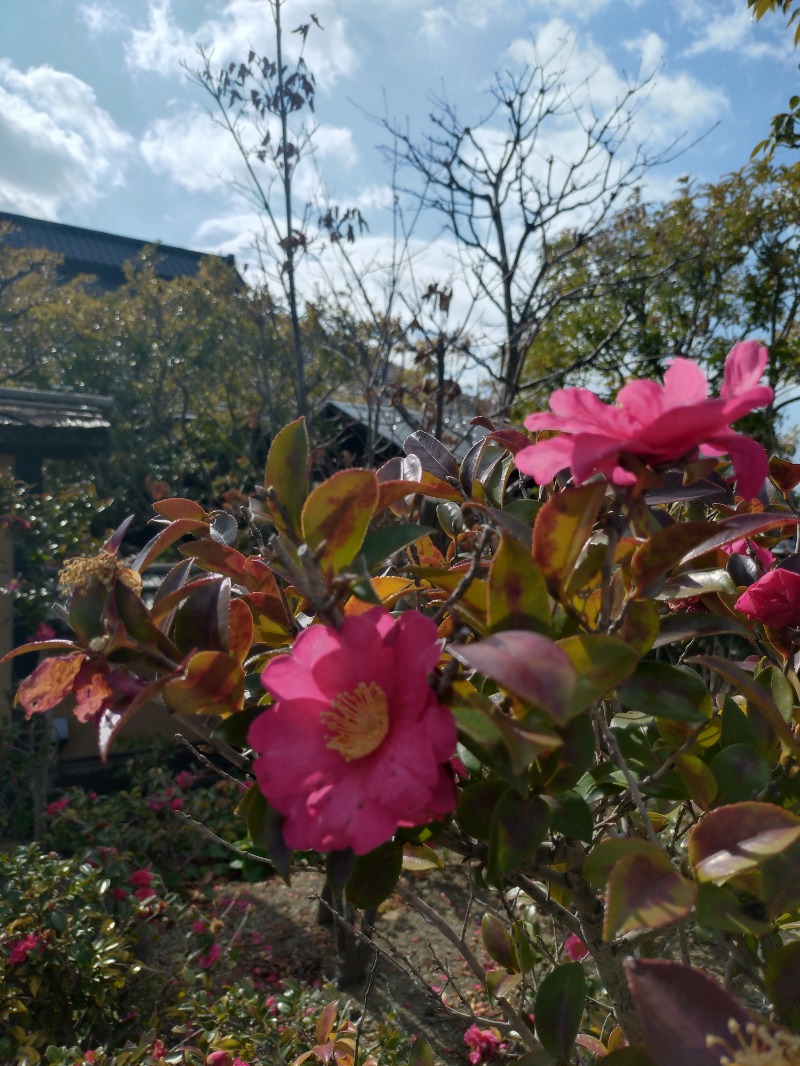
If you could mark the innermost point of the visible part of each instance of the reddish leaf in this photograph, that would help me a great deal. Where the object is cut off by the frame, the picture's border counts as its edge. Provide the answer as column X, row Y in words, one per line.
column 166, row 603
column 786, row 475
column 662, row 551
column 336, row 516
column 517, row 590
column 212, row 684
column 604, row 856
column 271, row 625
column 216, row 557
column 114, row 542
column 165, row 539
column 678, row 1008
column 203, row 620
column 176, row 507
column 562, row 528
column 49, row 683
column 645, row 891
column 529, row 665
column 641, row 625
column 681, row 626
column 39, row 645
column 240, row 630
column 287, row 474
column 499, row 944
column 433, row 455
column 741, row 526
column 731, row 840
column 511, row 439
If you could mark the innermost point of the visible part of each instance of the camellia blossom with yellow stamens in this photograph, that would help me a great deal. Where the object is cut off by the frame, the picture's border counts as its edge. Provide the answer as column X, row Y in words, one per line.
column 356, row 743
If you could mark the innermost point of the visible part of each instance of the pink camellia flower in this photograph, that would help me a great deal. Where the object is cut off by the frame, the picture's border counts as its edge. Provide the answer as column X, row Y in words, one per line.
column 141, row 878
column 774, row 599
column 19, row 950
column 57, row 805
column 749, row 547
column 484, row 1043
column 44, row 632
column 210, row 957
column 356, row 742
column 575, row 948
column 655, row 424
column 184, row 779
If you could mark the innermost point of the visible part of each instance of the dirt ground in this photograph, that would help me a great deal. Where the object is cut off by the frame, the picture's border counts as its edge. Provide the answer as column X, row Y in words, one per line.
column 303, row 949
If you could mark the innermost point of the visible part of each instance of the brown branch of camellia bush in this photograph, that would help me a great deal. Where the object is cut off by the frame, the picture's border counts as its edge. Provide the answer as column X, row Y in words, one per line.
column 204, row 759
column 431, row 915
column 308, row 581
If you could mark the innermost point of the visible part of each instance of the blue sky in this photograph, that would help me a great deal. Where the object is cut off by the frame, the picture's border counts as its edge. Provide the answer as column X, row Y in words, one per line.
column 100, row 127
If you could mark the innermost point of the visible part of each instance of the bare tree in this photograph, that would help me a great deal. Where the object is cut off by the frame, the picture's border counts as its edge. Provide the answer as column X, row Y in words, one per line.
column 526, row 187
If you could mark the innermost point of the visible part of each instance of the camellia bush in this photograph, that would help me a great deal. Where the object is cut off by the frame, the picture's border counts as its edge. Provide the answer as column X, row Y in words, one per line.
column 563, row 669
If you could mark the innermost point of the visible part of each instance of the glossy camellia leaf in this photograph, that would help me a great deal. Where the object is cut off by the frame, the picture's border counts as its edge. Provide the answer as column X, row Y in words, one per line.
column 731, row 840
column 558, row 1009
column 641, row 625
column 780, row 690
column 780, row 881
column 264, row 827
column 519, row 825
column 739, row 527
column 756, row 696
column 213, row 683
column 375, row 875
column 379, row 590
column 240, row 630
column 421, row 857
column 679, row 1008
column 717, row 908
column 601, row 663
column 740, row 773
column 785, row 475
column 499, row 943
column 383, row 543
column 782, row 978
column 562, row 528
column 604, row 856
column 336, row 516
column 203, row 620
column 682, row 626
column 432, row 454
column 421, row 1053
column 529, row 665
column 645, row 891
column 700, row 782
column 571, row 816
column 476, row 806
column 666, row 691
column 287, row 473
column 517, row 590
column 176, row 508
column 181, row 527
column 662, row 551
column 39, row 645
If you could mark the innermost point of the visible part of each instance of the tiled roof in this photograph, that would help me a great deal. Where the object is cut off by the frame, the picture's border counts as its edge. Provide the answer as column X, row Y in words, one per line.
column 87, row 251
column 54, row 424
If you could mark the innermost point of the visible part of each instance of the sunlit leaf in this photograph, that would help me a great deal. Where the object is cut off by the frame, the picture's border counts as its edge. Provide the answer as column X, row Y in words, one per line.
column 336, row 516
column 645, row 891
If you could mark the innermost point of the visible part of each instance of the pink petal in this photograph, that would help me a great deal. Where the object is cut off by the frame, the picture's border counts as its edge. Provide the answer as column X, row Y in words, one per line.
column 684, row 383
column 543, row 460
column 743, row 368
column 748, row 458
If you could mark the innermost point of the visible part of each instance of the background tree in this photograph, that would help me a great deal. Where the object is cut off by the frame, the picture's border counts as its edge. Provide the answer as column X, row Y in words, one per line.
column 783, row 127
column 518, row 205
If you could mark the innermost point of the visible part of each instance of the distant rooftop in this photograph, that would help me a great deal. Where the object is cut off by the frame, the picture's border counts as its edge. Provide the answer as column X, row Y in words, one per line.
column 88, row 251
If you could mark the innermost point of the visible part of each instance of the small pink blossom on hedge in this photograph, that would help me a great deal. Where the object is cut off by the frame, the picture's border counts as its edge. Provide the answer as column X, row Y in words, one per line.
column 655, row 424
column 141, row 878
column 749, row 547
column 484, row 1043
column 356, row 743
column 19, row 950
column 57, row 805
column 210, row 957
column 774, row 599
column 575, row 948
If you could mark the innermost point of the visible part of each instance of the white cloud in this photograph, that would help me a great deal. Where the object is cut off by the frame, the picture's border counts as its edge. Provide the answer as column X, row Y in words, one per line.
column 436, row 23
column 56, row 143
column 728, row 26
column 100, row 17
column 163, row 44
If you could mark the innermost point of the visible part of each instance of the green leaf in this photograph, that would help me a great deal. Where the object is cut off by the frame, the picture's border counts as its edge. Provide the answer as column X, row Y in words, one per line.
column 645, row 891
column 264, row 828
column 780, row 881
column 381, row 544
column 604, row 856
column 717, row 908
column 666, row 691
column 571, row 816
column 336, row 516
column 700, row 782
column 558, row 1009
column 517, row 590
column 780, row 690
column 476, row 806
column 562, row 528
column 518, row 827
column 740, row 772
column 287, row 474
column 375, row 875
column 421, row 1053
column 782, row 978
column 601, row 663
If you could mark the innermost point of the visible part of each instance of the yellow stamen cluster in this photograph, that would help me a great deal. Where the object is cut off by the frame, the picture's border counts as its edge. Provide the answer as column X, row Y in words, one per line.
column 78, row 574
column 758, row 1046
column 357, row 722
